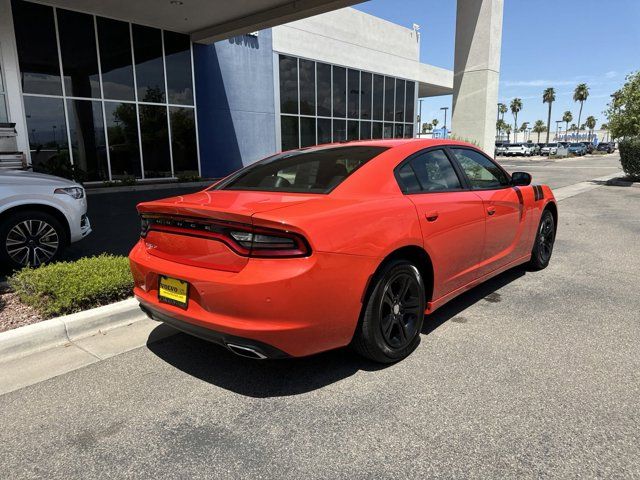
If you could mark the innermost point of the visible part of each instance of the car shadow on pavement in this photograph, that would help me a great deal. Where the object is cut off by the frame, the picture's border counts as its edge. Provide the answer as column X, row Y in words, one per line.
column 275, row 378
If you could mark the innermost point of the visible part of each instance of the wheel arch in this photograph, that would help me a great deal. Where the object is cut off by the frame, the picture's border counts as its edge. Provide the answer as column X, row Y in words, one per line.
column 553, row 208
column 39, row 207
column 418, row 256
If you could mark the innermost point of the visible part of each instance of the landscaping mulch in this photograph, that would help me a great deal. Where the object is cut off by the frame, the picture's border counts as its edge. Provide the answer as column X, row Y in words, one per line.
column 13, row 313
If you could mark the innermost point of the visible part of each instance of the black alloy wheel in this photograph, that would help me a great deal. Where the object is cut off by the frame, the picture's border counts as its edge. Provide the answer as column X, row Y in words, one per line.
column 393, row 314
column 545, row 239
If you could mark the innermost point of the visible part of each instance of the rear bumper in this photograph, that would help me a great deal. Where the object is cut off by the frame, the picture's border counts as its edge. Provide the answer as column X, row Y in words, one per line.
column 287, row 307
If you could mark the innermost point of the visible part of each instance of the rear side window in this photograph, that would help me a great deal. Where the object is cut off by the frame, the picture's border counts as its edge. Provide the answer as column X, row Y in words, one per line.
column 303, row 171
column 482, row 172
column 428, row 172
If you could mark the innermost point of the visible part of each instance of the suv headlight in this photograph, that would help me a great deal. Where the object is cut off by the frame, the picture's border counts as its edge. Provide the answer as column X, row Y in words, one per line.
column 75, row 192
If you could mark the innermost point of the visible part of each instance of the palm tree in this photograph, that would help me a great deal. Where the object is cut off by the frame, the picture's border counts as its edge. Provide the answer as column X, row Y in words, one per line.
column 507, row 130
column 548, row 96
column 590, row 122
column 580, row 94
column 573, row 128
column 434, row 122
column 516, row 106
column 605, row 127
column 499, row 129
column 539, row 128
column 567, row 117
column 426, row 127
column 502, row 109
column 523, row 129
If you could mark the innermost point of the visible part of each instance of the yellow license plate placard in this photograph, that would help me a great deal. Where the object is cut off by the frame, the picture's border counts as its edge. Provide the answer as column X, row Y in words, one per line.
column 173, row 291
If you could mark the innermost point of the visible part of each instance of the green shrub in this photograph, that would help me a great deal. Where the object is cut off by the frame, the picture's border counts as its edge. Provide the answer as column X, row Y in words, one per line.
column 68, row 287
column 630, row 157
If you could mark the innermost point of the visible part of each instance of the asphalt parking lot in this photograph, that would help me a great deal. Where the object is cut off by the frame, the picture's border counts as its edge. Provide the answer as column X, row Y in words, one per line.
column 531, row 375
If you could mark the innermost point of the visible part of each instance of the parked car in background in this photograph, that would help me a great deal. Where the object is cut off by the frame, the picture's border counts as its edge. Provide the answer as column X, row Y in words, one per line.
column 549, row 149
column 251, row 262
column 39, row 216
column 535, row 148
column 518, row 149
column 605, row 147
column 577, row 149
column 589, row 146
column 500, row 148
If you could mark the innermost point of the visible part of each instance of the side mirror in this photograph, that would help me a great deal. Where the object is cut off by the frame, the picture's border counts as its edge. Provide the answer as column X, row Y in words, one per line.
column 520, row 179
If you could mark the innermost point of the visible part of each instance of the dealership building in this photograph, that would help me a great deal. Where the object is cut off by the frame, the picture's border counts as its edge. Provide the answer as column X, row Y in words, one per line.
column 162, row 90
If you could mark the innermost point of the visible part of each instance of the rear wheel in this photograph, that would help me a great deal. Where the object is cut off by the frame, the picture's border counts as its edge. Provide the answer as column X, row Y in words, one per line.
column 393, row 314
column 543, row 246
column 30, row 238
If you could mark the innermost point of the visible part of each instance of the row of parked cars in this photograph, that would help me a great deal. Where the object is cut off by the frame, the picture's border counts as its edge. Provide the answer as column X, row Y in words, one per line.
column 529, row 149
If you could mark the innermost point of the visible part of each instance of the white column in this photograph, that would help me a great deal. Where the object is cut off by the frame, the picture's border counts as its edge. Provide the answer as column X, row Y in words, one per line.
column 11, row 71
column 477, row 71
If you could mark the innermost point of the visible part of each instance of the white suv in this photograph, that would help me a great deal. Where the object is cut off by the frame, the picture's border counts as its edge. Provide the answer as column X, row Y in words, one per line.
column 39, row 215
column 523, row 149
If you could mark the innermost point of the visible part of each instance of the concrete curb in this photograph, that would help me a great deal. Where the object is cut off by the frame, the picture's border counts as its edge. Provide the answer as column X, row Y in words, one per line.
column 29, row 339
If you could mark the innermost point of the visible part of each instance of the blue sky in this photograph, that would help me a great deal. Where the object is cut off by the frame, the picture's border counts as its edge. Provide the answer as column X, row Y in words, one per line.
column 545, row 43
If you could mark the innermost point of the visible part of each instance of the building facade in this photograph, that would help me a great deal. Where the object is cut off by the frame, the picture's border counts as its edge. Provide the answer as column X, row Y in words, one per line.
column 107, row 99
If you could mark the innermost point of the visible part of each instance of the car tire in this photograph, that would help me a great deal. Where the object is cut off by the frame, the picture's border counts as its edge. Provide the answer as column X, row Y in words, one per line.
column 393, row 314
column 543, row 243
column 30, row 238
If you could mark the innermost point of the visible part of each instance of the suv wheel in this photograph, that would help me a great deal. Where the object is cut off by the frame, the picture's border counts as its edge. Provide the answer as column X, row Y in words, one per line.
column 30, row 238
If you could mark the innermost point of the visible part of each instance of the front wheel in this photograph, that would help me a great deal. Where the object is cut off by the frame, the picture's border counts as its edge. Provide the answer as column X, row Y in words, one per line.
column 393, row 314
column 543, row 246
column 30, row 238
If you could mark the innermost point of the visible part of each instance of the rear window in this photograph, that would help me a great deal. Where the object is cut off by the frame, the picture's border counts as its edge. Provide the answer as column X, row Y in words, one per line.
column 302, row 171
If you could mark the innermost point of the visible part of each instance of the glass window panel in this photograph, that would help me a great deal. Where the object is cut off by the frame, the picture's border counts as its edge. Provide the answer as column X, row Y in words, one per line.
column 434, row 172
column 353, row 130
column 376, row 130
column 408, row 130
column 389, row 96
column 481, row 172
column 324, row 131
column 122, row 133
column 339, row 130
column 400, row 100
column 324, row 90
column 339, row 92
column 79, row 56
column 307, row 131
column 388, row 130
column 353, row 83
column 3, row 109
column 47, row 130
column 154, row 134
column 289, row 132
column 307, row 87
column 288, row 84
column 147, row 50
column 378, row 97
column 177, row 50
column 183, row 141
column 365, row 95
column 399, row 130
column 410, row 100
column 407, row 179
column 37, row 48
column 115, row 59
column 365, row 130
column 86, row 128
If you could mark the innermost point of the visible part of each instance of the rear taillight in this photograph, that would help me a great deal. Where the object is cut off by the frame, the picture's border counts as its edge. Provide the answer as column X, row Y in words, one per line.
column 243, row 239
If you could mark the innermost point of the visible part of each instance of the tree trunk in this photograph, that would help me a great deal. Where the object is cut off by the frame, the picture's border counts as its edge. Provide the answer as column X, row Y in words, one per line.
column 548, row 124
column 515, row 128
column 579, row 115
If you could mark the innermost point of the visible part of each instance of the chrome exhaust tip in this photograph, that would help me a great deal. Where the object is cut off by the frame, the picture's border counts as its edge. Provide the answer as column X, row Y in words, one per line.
column 245, row 351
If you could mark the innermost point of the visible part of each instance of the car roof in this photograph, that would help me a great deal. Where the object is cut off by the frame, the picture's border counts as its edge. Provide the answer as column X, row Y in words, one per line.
column 397, row 142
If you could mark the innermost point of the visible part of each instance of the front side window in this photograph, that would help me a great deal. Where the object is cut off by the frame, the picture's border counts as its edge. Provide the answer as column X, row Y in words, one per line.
column 482, row 172
column 306, row 171
column 428, row 172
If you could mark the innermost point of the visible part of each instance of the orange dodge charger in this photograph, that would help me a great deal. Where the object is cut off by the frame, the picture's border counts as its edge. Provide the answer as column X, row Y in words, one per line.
column 335, row 245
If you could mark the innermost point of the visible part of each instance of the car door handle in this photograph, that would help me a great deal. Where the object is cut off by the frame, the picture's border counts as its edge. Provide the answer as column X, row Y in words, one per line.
column 491, row 210
column 431, row 216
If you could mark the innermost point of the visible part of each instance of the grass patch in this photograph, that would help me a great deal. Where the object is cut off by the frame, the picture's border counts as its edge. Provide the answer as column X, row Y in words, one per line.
column 68, row 287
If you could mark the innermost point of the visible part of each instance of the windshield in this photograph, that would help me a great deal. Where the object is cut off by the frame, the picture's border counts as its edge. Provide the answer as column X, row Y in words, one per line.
column 302, row 171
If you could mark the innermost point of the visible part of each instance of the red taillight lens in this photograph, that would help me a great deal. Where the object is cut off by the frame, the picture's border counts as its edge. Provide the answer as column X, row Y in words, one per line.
column 243, row 239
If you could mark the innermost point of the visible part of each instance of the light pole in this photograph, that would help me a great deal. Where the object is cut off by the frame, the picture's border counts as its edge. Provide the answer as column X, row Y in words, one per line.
column 445, row 120
column 558, row 122
column 420, row 121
